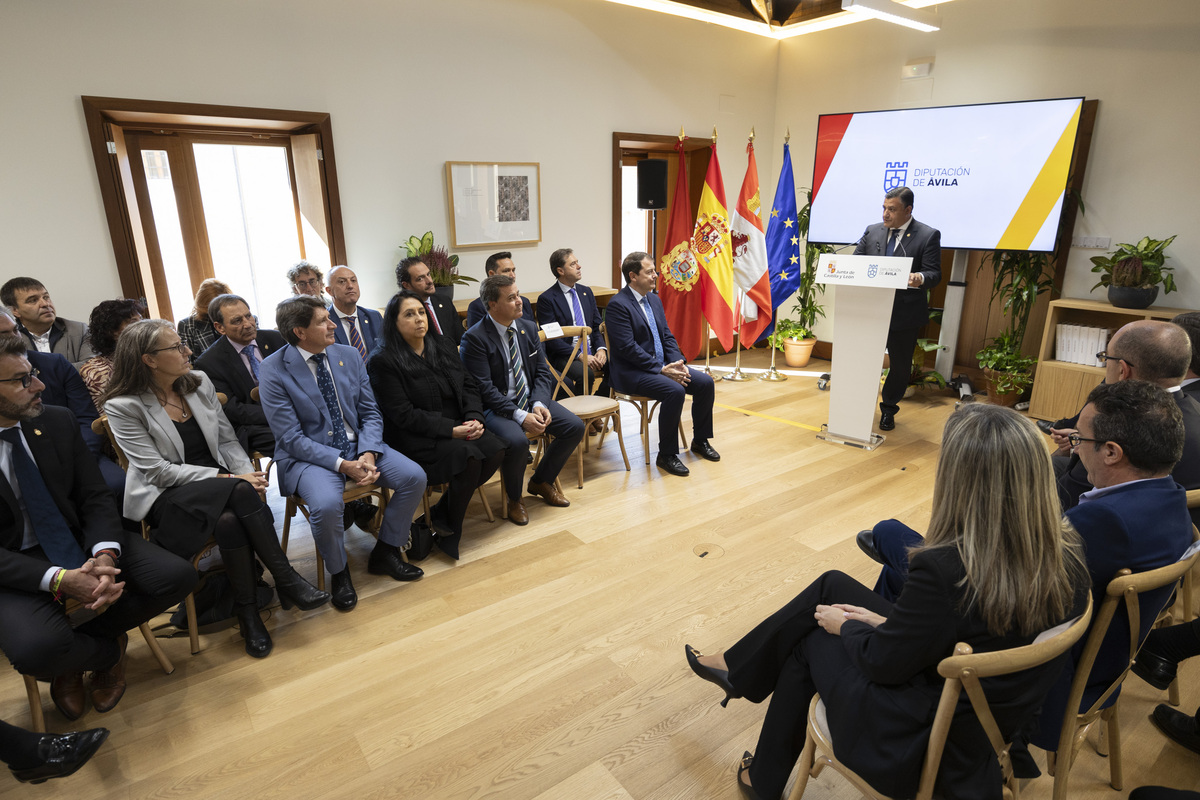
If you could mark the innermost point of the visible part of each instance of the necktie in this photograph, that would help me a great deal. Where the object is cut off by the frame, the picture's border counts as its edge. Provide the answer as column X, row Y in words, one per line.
column 578, row 311
column 432, row 316
column 49, row 526
column 355, row 339
column 891, row 242
column 325, row 384
column 658, row 351
column 520, row 387
column 248, row 350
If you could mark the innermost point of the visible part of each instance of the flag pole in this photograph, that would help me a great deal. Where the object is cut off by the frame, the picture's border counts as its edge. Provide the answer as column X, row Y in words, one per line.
column 737, row 374
column 773, row 374
column 704, row 328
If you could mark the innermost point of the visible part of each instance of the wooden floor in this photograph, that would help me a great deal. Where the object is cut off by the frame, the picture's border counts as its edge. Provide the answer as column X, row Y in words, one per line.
column 548, row 663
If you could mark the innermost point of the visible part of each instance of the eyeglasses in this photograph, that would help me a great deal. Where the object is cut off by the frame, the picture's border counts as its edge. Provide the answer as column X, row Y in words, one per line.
column 179, row 347
column 1075, row 439
column 311, row 283
column 1105, row 357
column 25, row 379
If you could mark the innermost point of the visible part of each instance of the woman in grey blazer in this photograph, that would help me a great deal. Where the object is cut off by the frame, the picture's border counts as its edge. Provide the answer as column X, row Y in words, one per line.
column 188, row 476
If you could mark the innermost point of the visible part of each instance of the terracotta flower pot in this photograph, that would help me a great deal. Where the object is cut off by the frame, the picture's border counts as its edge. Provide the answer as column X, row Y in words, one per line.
column 797, row 352
column 1008, row 399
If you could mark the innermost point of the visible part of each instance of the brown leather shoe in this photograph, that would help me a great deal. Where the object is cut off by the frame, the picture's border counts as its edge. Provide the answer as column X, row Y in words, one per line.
column 549, row 493
column 108, row 685
column 67, row 693
column 516, row 512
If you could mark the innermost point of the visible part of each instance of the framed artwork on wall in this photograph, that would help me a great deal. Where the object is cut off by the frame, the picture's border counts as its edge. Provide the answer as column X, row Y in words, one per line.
column 494, row 203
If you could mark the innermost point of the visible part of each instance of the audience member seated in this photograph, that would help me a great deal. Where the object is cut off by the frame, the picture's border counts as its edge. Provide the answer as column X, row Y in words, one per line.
column 33, row 309
column 358, row 327
column 412, row 275
column 999, row 567
column 197, row 331
column 498, row 264
column 432, row 412
column 1129, row 436
column 61, row 537
column 188, row 476
column 569, row 302
column 233, row 363
column 1190, row 322
column 328, row 432
column 646, row 361
column 38, row 757
column 307, row 279
column 104, row 326
column 503, row 354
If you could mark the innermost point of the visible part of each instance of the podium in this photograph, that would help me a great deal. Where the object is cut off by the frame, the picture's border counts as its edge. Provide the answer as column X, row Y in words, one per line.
column 866, row 289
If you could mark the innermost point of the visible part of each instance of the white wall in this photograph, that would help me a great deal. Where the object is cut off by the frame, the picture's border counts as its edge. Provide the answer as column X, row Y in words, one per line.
column 410, row 85
column 1140, row 60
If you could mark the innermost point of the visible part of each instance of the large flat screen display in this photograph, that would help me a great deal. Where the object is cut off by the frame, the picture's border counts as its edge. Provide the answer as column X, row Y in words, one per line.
column 989, row 177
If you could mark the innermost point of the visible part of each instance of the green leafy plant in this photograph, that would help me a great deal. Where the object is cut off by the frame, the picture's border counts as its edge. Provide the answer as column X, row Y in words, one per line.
column 1141, row 265
column 920, row 376
column 1013, row 370
column 807, row 310
column 1019, row 277
column 787, row 329
column 443, row 267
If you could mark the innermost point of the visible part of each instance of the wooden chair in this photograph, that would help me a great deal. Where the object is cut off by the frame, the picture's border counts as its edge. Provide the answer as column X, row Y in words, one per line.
column 1183, row 608
column 963, row 670
column 430, row 488
column 31, row 683
column 256, row 458
column 1124, row 587
column 588, row 407
column 644, row 405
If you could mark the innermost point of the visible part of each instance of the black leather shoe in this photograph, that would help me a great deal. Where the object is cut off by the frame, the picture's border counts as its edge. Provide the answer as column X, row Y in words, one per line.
column 386, row 560
column 342, row 590
column 1154, row 669
column 1045, row 426
column 672, row 464
column 887, row 421
column 364, row 514
column 702, row 448
column 747, row 791
column 718, row 676
column 62, row 755
column 1177, row 726
column 448, row 543
column 866, row 543
column 258, row 641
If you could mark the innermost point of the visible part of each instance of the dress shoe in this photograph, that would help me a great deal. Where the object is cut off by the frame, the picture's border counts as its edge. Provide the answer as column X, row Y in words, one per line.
column 448, row 543
column 747, row 790
column 866, row 543
column 62, row 755
column 516, row 512
column 887, row 421
column 67, row 693
column 550, row 493
column 296, row 591
column 385, row 560
column 108, row 685
column 293, row 590
column 702, row 448
column 669, row 462
column 718, row 676
column 1177, row 726
column 258, row 641
column 342, row 590
column 364, row 514
column 1045, row 426
column 1155, row 670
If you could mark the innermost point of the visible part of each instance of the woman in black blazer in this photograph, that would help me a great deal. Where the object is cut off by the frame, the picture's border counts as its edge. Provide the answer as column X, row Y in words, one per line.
column 432, row 413
column 1000, row 565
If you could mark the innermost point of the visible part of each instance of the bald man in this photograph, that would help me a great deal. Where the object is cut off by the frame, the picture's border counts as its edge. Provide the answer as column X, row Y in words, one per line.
column 357, row 327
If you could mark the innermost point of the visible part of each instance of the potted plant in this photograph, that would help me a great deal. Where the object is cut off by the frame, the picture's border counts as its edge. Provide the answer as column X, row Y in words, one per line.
column 1006, row 370
column 795, row 337
column 1133, row 273
column 794, row 340
column 922, row 378
column 443, row 267
column 1020, row 276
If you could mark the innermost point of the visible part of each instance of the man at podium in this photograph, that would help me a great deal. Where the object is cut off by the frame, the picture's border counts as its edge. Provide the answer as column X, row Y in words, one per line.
column 902, row 236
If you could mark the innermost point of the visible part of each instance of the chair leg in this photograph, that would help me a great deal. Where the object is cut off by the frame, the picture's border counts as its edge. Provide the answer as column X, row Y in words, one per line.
column 156, row 649
column 1116, row 777
column 579, row 460
column 487, row 507
column 193, row 625
column 804, row 767
column 35, row 704
column 1061, row 770
column 682, row 436
column 645, row 432
column 288, row 512
column 616, row 418
column 1173, row 693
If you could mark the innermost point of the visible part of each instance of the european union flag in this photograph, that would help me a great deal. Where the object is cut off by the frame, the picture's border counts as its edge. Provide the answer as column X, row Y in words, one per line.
column 785, row 256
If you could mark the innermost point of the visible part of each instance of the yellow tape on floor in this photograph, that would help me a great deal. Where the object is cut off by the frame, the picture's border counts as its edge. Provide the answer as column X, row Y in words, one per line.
column 768, row 416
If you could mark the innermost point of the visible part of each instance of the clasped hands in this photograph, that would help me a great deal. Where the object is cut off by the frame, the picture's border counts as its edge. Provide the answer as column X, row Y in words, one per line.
column 94, row 584
column 678, row 372
column 830, row 618
column 536, row 421
column 471, row 429
column 362, row 470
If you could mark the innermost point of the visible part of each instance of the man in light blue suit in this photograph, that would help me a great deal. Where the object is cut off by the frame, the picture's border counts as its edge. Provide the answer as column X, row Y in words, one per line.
column 328, row 431
column 355, row 327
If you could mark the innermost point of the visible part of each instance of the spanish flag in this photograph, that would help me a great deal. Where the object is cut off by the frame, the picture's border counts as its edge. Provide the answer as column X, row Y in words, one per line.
column 678, row 274
column 750, row 256
column 713, row 249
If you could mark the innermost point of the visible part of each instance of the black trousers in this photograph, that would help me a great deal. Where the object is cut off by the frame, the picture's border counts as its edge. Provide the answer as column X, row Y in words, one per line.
column 39, row 640
column 900, row 345
column 566, row 431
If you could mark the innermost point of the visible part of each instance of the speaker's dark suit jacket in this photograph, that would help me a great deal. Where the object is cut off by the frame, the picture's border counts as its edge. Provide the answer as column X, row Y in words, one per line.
column 554, row 306
column 923, row 245
column 370, row 327
column 225, row 367
column 485, row 355
column 477, row 311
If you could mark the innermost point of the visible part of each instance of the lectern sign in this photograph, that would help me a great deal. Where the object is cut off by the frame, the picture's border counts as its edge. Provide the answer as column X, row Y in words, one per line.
column 880, row 272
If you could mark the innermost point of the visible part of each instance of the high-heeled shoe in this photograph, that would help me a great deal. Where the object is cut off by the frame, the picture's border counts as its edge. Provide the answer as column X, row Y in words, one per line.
column 718, row 676
column 747, row 790
column 239, row 566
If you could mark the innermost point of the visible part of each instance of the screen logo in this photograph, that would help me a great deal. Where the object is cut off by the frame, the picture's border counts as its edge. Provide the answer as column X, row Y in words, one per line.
column 895, row 175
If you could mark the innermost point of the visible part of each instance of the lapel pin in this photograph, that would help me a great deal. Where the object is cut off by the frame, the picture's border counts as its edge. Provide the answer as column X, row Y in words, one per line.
column 340, row 364
column 37, row 431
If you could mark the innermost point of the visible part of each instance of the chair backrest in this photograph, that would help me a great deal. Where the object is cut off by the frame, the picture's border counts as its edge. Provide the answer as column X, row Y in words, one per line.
column 100, row 427
column 1193, row 498
column 965, row 669
column 580, row 333
column 222, row 398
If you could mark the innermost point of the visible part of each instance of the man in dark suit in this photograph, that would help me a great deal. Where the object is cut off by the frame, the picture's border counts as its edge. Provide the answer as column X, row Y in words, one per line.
column 328, row 430
column 1190, row 322
column 413, row 274
column 569, row 302
column 357, row 327
column 901, row 235
column 60, row 535
column 30, row 303
column 498, row 264
column 504, row 355
column 233, row 363
column 646, row 361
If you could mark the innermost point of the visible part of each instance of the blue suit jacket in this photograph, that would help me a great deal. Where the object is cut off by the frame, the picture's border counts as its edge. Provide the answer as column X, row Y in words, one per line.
column 477, row 311
column 370, row 327
column 485, row 355
column 554, row 306
column 923, row 244
column 65, row 388
column 632, row 343
column 299, row 418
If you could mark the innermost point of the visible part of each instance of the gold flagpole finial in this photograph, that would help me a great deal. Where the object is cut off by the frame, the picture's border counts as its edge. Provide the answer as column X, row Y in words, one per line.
column 681, row 135
column 751, row 135
column 788, row 136
column 714, row 134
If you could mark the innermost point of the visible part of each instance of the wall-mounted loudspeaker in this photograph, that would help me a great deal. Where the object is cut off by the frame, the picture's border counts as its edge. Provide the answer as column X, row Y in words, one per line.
column 652, row 183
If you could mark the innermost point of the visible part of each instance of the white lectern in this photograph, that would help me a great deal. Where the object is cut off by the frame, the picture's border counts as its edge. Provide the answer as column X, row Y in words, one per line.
column 866, row 289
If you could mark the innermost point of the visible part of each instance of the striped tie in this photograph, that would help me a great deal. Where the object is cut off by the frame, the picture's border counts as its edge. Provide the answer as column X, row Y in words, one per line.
column 520, row 388
column 355, row 339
